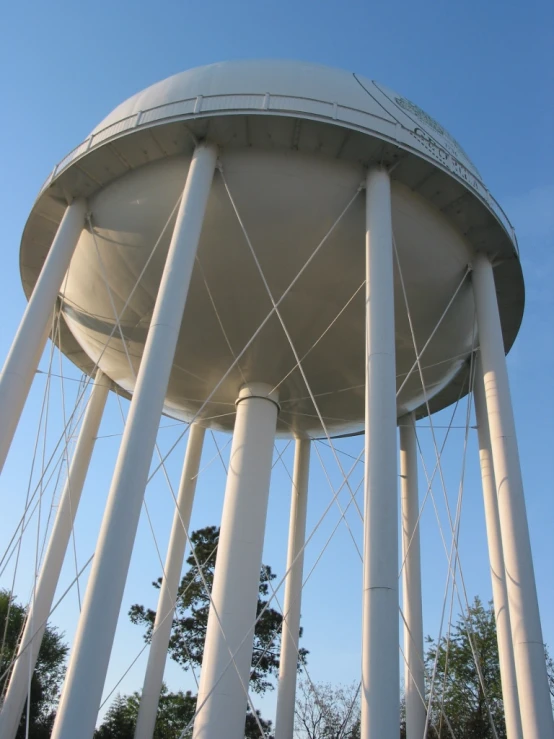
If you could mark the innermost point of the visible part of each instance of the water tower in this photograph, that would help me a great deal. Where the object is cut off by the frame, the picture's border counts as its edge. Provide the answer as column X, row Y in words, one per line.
column 275, row 248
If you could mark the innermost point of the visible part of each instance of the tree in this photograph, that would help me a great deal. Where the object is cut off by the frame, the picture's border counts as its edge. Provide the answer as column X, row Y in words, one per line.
column 326, row 712
column 48, row 675
column 175, row 712
column 550, row 674
column 186, row 646
column 457, row 683
column 120, row 719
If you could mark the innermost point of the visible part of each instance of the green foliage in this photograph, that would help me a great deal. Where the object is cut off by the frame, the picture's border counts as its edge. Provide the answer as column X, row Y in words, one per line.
column 48, row 676
column 457, row 684
column 120, row 719
column 186, row 646
column 175, row 712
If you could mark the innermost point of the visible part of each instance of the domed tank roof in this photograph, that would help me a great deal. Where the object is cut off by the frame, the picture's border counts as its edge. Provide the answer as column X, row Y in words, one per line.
column 300, row 80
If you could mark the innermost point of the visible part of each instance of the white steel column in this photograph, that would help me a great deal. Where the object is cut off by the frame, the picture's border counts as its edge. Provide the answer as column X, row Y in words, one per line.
column 380, row 669
column 170, row 585
column 27, row 347
column 288, row 668
column 237, row 571
column 90, row 656
column 534, row 697
column 39, row 611
column 414, row 671
column 496, row 558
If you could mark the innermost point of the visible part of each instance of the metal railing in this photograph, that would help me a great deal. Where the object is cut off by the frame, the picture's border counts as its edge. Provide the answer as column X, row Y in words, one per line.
column 316, row 109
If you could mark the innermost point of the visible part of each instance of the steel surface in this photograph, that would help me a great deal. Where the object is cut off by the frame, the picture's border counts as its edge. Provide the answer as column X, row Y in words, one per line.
column 295, row 140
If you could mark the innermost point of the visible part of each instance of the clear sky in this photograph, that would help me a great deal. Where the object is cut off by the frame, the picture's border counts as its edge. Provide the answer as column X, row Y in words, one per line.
column 483, row 69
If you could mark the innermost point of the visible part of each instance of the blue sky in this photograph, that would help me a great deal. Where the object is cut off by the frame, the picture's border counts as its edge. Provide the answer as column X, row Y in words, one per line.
column 484, row 70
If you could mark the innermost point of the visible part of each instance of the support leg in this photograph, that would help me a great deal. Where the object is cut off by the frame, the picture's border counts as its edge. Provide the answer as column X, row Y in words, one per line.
column 534, row 698
column 170, row 585
column 237, row 570
column 496, row 558
column 286, row 696
column 414, row 671
column 380, row 669
column 35, row 623
column 28, row 345
column 90, row 656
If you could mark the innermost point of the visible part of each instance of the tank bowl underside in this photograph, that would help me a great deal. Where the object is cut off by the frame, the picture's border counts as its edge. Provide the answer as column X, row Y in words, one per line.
column 287, row 202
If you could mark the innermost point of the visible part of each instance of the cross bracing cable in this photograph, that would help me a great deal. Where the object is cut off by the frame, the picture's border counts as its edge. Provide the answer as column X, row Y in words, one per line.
column 270, row 600
column 73, row 542
column 457, row 527
column 37, row 488
column 320, row 337
column 137, row 282
column 288, row 336
column 419, row 354
column 272, row 597
column 266, row 319
column 166, row 456
column 299, row 364
column 353, row 499
column 55, row 326
column 38, row 629
column 170, row 451
column 422, row 697
column 42, row 414
column 156, row 545
column 208, row 558
column 454, row 549
column 451, row 572
column 430, row 482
